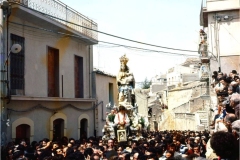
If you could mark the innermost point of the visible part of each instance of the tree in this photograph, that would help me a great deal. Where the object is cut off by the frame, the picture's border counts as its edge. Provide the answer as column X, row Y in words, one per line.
column 146, row 84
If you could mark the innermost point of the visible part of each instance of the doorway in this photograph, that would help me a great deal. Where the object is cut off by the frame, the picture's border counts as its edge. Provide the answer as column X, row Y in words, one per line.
column 83, row 128
column 58, row 129
column 22, row 133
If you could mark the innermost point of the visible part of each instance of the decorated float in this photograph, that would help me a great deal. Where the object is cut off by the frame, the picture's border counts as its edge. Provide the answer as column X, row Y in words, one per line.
column 124, row 122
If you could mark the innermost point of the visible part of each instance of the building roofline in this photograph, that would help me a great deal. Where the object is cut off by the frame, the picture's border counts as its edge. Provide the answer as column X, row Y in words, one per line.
column 98, row 71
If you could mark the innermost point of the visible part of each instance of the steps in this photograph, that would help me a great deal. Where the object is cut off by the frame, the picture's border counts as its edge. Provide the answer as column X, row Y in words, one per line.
column 205, row 123
column 203, row 116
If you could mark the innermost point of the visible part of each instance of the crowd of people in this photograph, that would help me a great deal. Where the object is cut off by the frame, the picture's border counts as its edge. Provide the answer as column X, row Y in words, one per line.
column 156, row 145
column 220, row 143
column 227, row 88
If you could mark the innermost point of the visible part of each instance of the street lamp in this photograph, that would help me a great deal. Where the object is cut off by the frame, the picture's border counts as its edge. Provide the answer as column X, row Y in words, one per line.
column 16, row 48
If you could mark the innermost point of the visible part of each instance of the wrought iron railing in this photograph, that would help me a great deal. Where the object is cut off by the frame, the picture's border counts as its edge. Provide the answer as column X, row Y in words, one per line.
column 63, row 14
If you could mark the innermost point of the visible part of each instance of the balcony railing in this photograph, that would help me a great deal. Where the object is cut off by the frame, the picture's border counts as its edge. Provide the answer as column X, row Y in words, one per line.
column 60, row 10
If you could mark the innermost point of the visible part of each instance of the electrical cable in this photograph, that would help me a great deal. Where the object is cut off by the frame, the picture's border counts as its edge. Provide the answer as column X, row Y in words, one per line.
column 105, row 32
column 230, row 34
column 145, row 49
column 56, row 32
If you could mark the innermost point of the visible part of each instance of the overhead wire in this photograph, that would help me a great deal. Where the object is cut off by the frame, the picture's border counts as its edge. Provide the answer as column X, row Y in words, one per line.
column 105, row 32
column 230, row 34
column 50, row 35
column 146, row 49
column 126, row 46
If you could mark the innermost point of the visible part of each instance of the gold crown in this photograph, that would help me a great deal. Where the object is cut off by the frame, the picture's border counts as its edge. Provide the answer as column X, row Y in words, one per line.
column 124, row 59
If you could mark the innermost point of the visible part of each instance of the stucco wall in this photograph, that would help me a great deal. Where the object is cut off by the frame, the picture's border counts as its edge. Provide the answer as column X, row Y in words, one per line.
column 170, row 122
column 176, row 75
column 227, row 64
column 157, row 87
column 227, row 32
column 190, row 77
column 142, row 101
column 102, row 94
column 36, row 43
column 178, row 98
column 228, row 36
column 41, row 117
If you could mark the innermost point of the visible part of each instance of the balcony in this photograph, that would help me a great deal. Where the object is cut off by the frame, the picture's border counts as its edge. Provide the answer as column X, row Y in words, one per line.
column 218, row 5
column 63, row 14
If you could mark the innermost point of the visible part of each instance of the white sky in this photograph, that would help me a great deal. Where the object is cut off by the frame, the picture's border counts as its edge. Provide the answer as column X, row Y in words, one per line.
column 168, row 23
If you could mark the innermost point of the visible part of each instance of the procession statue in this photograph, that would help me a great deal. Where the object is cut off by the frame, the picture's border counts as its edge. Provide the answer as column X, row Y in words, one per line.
column 124, row 119
column 126, row 83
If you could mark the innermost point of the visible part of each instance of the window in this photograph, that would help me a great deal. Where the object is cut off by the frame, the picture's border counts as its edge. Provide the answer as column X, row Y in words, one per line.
column 53, row 72
column 150, row 112
column 111, row 93
column 17, row 67
column 78, row 77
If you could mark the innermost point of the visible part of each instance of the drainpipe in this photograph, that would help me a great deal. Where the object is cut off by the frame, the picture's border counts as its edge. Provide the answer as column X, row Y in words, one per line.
column 8, row 85
column 90, row 72
column 94, row 119
column 89, row 87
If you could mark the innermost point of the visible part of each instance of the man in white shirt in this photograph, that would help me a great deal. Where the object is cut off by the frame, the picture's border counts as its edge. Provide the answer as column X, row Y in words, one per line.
column 121, row 118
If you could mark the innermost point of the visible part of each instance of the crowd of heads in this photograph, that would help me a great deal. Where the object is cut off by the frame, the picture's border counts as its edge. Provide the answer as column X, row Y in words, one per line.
column 220, row 143
column 227, row 89
column 226, row 121
column 155, row 145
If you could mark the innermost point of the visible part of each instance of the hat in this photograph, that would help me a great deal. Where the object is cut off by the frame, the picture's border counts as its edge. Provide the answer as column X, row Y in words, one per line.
column 234, row 72
column 236, row 124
